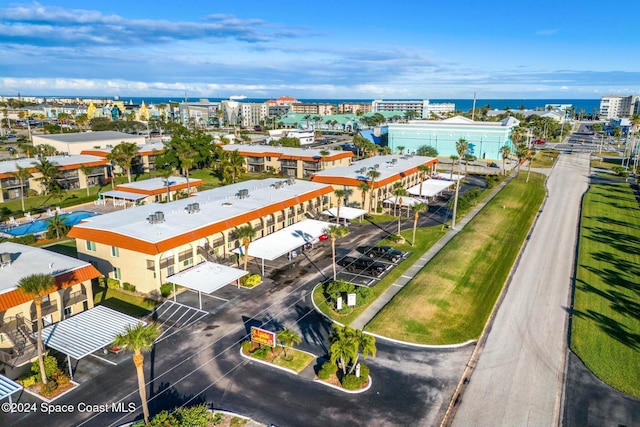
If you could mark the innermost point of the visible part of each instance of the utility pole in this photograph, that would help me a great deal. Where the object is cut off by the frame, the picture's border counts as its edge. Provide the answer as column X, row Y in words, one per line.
column 455, row 203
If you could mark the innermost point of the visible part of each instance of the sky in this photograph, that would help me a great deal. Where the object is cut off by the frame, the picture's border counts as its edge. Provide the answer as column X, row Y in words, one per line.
column 411, row 49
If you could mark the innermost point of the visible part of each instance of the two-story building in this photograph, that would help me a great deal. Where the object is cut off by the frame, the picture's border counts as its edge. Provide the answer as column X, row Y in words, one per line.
column 288, row 161
column 145, row 245
column 73, row 294
column 76, row 143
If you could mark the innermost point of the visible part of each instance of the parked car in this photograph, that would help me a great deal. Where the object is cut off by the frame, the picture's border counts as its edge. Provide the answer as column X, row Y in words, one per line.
column 493, row 165
column 539, row 142
column 387, row 252
column 323, row 237
column 363, row 263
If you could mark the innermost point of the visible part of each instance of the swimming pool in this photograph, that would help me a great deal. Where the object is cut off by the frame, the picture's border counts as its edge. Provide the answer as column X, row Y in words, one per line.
column 40, row 225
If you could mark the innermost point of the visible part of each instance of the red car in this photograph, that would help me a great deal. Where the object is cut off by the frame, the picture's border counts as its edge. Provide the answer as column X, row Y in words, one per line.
column 539, row 142
column 323, row 237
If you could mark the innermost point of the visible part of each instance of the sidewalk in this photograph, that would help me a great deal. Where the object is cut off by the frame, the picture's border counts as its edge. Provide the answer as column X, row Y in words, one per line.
column 412, row 271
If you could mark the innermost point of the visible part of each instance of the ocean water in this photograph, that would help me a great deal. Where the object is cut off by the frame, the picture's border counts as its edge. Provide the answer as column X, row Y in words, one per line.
column 588, row 105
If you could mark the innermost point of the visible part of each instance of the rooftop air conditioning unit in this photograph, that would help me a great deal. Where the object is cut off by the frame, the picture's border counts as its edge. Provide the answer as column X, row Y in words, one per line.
column 243, row 193
column 394, row 161
column 159, row 216
column 5, row 259
column 376, row 166
column 291, row 181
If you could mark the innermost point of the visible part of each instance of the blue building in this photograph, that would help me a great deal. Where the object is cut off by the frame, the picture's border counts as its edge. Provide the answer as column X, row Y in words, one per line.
column 484, row 138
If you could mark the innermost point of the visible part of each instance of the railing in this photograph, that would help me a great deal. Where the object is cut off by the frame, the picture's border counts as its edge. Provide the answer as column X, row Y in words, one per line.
column 75, row 297
column 289, row 163
column 255, row 161
column 49, row 307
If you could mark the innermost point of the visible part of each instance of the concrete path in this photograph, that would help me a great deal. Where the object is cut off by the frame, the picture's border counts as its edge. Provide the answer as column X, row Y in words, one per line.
column 396, row 287
column 518, row 379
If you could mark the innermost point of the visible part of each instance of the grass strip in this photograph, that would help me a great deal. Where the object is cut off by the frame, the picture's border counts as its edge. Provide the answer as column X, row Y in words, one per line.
column 121, row 301
column 605, row 331
column 450, row 300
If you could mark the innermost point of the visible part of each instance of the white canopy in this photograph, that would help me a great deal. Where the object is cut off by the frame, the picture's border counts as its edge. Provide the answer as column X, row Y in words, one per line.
column 207, row 277
column 286, row 240
column 87, row 332
column 8, row 387
column 403, row 201
column 346, row 212
column 430, row 187
column 125, row 195
column 447, row 176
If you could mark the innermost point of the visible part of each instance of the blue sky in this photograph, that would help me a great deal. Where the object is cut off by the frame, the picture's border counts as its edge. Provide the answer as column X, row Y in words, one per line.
column 329, row 49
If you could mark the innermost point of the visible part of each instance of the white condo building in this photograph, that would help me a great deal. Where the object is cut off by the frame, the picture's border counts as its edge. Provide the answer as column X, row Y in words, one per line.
column 613, row 107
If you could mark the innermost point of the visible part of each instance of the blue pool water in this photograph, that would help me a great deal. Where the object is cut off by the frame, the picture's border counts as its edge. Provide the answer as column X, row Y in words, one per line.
column 40, row 226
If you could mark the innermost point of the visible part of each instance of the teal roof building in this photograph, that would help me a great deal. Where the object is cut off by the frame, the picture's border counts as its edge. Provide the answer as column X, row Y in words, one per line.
column 484, row 138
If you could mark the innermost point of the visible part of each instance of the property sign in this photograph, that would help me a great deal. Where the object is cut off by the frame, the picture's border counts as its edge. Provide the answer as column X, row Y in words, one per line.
column 351, row 300
column 262, row 336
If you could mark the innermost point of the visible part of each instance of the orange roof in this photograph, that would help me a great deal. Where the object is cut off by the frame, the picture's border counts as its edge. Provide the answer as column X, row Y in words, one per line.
column 89, row 164
column 62, row 281
column 287, row 98
column 149, row 248
column 192, row 183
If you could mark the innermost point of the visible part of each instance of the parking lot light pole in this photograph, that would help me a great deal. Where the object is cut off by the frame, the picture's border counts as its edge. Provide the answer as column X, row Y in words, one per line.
column 455, row 203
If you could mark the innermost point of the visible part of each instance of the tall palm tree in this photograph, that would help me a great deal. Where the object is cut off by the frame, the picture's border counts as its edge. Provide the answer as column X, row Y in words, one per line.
column 340, row 195
column 522, row 153
column 245, row 234
column 364, row 188
column 165, row 173
column 323, row 154
column 335, row 232
column 21, row 174
column 417, row 209
column 138, row 340
column 462, row 146
column 505, row 152
column 57, row 224
column 453, row 158
column 344, row 346
column 400, row 149
column 529, row 156
column 372, row 175
column 36, row 286
column 232, row 164
column 423, row 169
column 86, row 170
column 186, row 156
column 288, row 338
column 366, row 345
column 123, row 155
column 50, row 175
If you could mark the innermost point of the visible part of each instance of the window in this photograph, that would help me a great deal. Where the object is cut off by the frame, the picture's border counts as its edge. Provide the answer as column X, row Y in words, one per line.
column 117, row 274
column 68, row 311
column 290, row 221
column 115, row 251
column 268, row 158
column 170, row 270
column 91, row 246
column 187, row 262
column 186, row 257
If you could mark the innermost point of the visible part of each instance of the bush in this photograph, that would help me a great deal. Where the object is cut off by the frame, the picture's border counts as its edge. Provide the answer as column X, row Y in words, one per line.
column 111, row 283
column 252, row 280
column 28, row 380
column 327, row 370
column 50, row 367
column 261, row 352
column 246, row 346
column 351, row 382
column 128, row 287
column 364, row 372
column 166, row 289
column 29, row 239
column 49, row 388
column 363, row 294
column 61, row 378
column 194, row 416
column 492, row 180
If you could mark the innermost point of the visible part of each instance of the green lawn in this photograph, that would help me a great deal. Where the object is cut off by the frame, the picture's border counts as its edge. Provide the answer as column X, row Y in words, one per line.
column 605, row 331
column 121, row 301
column 66, row 247
column 450, row 300
column 544, row 159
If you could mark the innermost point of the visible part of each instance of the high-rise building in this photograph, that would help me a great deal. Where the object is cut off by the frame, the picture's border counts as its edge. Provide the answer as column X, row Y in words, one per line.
column 614, row 106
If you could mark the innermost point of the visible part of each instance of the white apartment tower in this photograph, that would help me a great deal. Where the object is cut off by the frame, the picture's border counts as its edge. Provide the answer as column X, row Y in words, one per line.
column 613, row 107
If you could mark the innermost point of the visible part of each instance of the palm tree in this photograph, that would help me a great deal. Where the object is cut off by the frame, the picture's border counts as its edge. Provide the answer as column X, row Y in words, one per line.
column 123, row 155
column 505, row 152
column 323, row 154
column 335, row 232
column 521, row 153
column 372, row 175
column 50, row 174
column 423, row 169
column 398, row 192
column 340, row 195
column 139, row 339
column 529, row 156
column 28, row 149
column 288, row 338
column 462, row 146
column 57, row 224
column 364, row 188
column 366, row 345
column 21, row 174
column 186, row 156
column 86, row 170
column 417, row 208
column 453, row 158
column 400, row 149
column 344, row 346
column 165, row 173
column 245, row 234
column 36, row 286
column 233, row 164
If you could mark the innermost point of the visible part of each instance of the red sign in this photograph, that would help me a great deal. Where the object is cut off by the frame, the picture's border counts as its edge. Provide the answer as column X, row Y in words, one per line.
column 261, row 336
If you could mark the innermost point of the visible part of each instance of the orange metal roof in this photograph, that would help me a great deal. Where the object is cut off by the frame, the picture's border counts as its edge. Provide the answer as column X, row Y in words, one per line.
column 192, row 183
column 89, row 164
column 150, row 248
column 62, row 281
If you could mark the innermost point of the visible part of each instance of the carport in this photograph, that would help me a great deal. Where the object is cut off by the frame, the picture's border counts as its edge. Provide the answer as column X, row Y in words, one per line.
column 448, row 176
column 346, row 212
column 285, row 241
column 206, row 277
column 7, row 388
column 430, row 188
column 87, row 332
column 120, row 198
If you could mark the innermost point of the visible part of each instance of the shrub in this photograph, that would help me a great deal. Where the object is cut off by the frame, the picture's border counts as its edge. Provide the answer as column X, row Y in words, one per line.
column 28, row 380
column 128, row 287
column 252, row 280
column 261, row 352
column 111, row 283
column 61, row 378
column 364, row 372
column 166, row 289
column 351, row 382
column 327, row 370
column 29, row 239
column 198, row 415
column 218, row 417
column 246, row 346
column 50, row 367
column 363, row 294
column 48, row 388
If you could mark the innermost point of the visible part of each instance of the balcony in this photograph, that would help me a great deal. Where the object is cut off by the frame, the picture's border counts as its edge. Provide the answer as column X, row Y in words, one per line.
column 312, row 166
column 75, row 297
column 289, row 163
column 258, row 161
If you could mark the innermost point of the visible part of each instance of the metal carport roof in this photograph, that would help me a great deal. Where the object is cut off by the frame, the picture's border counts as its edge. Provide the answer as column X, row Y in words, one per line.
column 431, row 187
column 126, row 195
column 346, row 212
column 8, row 387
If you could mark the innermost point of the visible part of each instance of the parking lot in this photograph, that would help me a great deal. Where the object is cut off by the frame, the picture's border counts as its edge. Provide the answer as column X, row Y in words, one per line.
column 363, row 276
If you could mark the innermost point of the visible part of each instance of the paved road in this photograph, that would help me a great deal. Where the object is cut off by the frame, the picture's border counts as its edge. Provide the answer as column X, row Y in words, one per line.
column 518, row 378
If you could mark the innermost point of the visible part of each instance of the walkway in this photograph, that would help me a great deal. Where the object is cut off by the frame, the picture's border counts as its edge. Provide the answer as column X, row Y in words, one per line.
column 517, row 378
column 412, row 271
